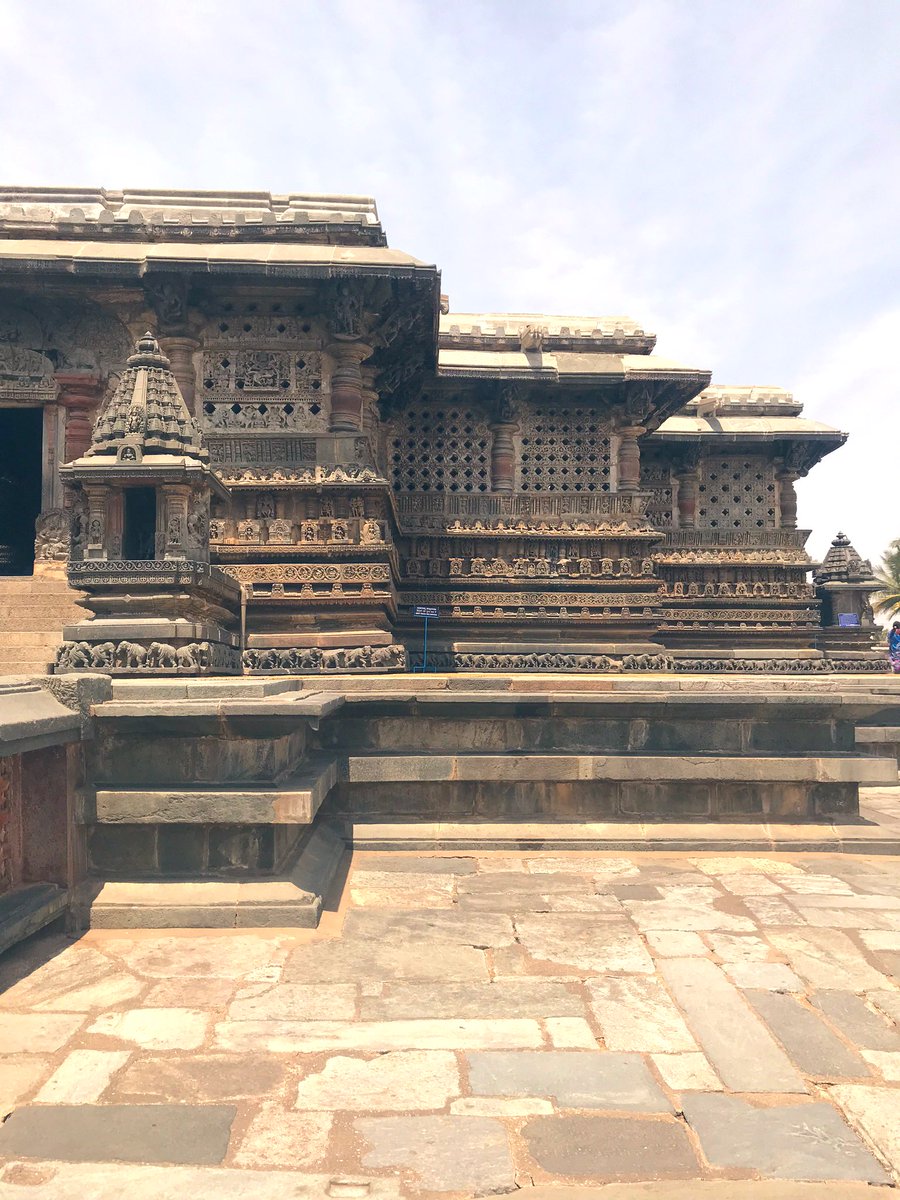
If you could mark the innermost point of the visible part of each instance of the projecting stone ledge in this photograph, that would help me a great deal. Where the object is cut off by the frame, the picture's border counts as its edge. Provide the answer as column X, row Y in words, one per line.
column 293, row 899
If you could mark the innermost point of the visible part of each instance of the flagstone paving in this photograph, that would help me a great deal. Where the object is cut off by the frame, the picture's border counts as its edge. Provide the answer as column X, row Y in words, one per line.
column 473, row 1024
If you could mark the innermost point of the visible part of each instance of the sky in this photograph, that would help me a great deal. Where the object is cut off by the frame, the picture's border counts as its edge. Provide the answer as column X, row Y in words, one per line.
column 727, row 172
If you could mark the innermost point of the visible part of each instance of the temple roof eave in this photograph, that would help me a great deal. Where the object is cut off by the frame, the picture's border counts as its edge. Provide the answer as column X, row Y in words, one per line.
column 133, row 260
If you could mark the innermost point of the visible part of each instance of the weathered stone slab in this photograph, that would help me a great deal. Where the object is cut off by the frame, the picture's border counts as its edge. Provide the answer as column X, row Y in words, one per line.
column 145, row 1133
column 777, row 977
column 279, row 1138
column 856, row 1021
column 672, row 943
column 83, row 1077
column 807, row 1039
column 570, row 1033
column 445, row 1153
column 204, row 956
column 19, row 1074
column 876, row 1112
column 687, row 1072
column 827, row 958
column 606, row 1148
column 400, row 1080
column 199, row 1078
column 312, row 1037
column 436, row 925
column 738, row 947
column 794, row 1141
column 74, row 980
column 637, row 1013
column 35, row 1033
column 155, row 1028
column 685, row 914
column 583, row 942
column 742, row 1051
column 885, row 1062
column 500, row 1106
column 351, row 960
column 294, row 1002
column 501, row 998
column 575, row 1079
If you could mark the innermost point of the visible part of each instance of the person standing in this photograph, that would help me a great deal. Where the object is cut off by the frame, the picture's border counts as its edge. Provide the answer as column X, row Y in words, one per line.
column 894, row 647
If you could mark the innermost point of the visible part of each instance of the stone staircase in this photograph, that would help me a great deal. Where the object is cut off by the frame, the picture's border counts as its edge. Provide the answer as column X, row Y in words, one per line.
column 33, row 611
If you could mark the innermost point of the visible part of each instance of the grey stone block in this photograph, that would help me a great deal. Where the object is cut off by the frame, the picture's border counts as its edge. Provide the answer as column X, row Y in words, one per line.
column 604, row 1148
column 793, row 1141
column 574, row 1078
column 809, row 1042
column 143, row 1133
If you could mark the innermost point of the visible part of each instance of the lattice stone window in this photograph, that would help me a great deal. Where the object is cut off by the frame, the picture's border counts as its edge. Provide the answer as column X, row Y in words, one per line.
column 440, row 448
column 737, row 493
column 656, row 480
column 564, row 449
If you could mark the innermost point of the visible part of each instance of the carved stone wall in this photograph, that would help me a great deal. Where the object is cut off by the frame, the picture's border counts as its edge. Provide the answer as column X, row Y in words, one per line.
column 563, row 448
column 737, row 492
column 262, row 371
column 440, row 447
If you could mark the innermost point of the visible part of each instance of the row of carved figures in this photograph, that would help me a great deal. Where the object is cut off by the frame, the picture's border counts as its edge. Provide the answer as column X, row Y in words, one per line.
column 132, row 656
column 341, row 658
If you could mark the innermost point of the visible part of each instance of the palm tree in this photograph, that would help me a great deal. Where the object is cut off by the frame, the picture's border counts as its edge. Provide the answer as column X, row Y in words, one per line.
column 886, row 601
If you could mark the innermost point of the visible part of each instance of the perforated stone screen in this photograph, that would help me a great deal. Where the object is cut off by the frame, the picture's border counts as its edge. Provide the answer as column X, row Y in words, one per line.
column 737, row 493
column 440, row 448
column 564, row 449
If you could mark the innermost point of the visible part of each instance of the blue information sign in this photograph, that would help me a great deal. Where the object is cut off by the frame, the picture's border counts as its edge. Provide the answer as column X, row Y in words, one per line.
column 426, row 613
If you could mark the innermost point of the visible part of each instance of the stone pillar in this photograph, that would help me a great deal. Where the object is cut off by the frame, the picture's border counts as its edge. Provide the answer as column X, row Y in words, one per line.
column 171, row 531
column 180, row 352
column 787, row 498
column 95, row 528
column 347, row 386
column 688, row 485
column 503, row 457
column 629, row 461
column 79, row 395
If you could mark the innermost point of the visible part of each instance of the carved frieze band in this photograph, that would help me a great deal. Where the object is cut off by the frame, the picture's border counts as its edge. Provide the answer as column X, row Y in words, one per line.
column 527, row 568
column 341, row 658
column 125, row 656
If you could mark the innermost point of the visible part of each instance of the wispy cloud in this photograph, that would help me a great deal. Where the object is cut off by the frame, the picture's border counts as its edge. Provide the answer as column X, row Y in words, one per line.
column 728, row 173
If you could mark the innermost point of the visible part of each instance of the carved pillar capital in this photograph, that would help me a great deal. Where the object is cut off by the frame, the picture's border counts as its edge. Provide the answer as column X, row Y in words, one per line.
column 629, row 460
column 347, row 385
column 79, row 394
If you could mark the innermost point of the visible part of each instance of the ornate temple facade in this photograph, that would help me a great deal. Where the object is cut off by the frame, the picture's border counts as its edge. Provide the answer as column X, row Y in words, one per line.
column 278, row 441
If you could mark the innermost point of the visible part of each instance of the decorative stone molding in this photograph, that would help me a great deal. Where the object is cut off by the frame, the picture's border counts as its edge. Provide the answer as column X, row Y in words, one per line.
column 313, row 659
column 191, row 658
column 543, row 661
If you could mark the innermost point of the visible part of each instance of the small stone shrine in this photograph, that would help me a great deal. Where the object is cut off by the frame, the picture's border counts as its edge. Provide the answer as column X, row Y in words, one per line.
column 139, row 499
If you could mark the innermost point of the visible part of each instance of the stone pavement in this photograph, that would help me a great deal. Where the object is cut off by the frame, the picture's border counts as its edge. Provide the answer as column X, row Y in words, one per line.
column 725, row 1025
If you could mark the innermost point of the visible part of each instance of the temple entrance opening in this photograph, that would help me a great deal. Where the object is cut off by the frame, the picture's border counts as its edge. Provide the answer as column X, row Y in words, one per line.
column 20, row 487
column 139, row 541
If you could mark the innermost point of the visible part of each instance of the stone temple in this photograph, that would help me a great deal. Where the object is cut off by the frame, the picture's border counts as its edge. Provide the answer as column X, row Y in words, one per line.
column 246, row 446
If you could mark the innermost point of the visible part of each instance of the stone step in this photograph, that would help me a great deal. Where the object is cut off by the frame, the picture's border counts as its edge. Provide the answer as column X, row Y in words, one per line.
column 30, row 637
column 18, row 585
column 38, row 622
column 656, row 768
column 293, row 899
column 24, row 666
column 28, row 908
column 295, row 801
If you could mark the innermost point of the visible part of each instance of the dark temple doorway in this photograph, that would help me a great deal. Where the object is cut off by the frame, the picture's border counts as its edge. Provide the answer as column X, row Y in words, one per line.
column 21, row 468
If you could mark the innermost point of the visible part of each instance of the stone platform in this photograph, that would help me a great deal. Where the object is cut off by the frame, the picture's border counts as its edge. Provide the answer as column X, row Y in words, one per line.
column 206, row 795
